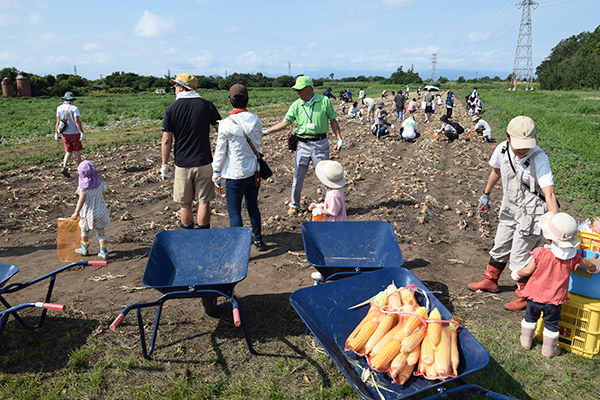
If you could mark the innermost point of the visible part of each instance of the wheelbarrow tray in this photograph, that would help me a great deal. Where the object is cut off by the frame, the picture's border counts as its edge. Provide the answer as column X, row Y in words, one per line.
column 324, row 310
column 198, row 259
column 349, row 247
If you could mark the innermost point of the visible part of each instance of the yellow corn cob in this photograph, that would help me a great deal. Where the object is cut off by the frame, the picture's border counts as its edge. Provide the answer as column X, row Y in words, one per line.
column 382, row 361
column 442, row 363
column 413, row 357
column 373, row 312
column 397, row 364
column 394, row 301
column 413, row 321
column 413, row 340
column 387, row 322
column 454, row 355
column 408, row 297
column 434, row 329
column 384, row 340
column 358, row 341
column 427, row 351
column 405, row 374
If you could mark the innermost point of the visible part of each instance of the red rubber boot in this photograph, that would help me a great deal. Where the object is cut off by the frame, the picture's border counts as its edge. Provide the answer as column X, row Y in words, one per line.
column 489, row 282
column 520, row 303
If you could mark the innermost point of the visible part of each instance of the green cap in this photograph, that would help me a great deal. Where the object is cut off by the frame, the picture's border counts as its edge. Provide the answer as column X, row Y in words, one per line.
column 302, row 82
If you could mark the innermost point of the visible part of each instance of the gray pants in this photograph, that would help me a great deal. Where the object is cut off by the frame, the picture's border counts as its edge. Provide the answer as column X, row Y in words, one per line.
column 510, row 246
column 307, row 151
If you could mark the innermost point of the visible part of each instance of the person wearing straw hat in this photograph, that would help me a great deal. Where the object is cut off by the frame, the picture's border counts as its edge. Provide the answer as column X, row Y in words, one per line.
column 72, row 134
column 331, row 174
column 92, row 209
column 549, row 270
column 314, row 114
column 528, row 193
column 187, row 122
column 483, row 129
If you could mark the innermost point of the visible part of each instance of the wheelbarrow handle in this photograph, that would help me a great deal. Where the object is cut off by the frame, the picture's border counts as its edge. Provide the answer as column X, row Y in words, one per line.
column 236, row 317
column 98, row 263
column 117, row 322
column 52, row 306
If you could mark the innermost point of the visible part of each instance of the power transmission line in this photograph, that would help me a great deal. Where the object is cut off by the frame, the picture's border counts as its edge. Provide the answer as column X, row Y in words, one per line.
column 523, row 66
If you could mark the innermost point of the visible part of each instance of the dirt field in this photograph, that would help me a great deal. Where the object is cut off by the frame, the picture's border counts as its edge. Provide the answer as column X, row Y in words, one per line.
column 427, row 190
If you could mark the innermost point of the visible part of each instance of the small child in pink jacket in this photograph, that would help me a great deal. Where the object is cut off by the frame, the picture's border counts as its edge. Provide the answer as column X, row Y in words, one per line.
column 331, row 174
column 549, row 271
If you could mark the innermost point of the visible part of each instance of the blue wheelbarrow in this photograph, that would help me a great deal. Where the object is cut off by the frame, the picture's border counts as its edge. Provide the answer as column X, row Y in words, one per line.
column 204, row 263
column 7, row 271
column 342, row 249
column 324, row 310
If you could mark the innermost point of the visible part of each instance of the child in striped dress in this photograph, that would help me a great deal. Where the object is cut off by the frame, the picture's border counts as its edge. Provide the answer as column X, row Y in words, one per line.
column 91, row 208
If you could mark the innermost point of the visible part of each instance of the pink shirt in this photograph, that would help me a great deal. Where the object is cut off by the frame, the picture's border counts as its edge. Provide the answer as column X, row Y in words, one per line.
column 549, row 283
column 412, row 105
column 335, row 204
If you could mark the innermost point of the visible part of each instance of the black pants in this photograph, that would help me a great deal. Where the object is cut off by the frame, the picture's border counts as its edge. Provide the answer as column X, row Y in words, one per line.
column 449, row 112
column 551, row 314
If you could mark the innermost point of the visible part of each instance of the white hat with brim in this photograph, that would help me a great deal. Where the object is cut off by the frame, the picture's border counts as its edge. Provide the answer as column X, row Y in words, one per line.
column 561, row 228
column 331, row 174
column 522, row 132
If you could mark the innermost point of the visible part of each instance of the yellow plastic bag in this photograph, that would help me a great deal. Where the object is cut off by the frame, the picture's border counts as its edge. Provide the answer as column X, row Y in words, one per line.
column 68, row 238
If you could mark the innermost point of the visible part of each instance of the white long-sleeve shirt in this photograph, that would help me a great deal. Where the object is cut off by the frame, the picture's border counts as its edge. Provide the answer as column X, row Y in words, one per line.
column 233, row 156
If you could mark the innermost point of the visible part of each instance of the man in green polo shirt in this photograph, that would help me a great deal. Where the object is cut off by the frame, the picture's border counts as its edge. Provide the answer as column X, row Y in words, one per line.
column 314, row 114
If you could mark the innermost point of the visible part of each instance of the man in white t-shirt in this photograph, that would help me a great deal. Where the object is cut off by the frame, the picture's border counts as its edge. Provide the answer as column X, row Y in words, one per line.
column 409, row 128
column 528, row 193
column 483, row 129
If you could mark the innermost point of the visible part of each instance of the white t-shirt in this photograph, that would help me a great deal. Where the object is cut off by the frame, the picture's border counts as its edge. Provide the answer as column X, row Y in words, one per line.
column 61, row 110
column 487, row 129
column 410, row 128
column 543, row 172
column 354, row 111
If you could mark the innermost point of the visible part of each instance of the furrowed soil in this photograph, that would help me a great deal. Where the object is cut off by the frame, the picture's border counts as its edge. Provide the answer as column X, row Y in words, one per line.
column 427, row 190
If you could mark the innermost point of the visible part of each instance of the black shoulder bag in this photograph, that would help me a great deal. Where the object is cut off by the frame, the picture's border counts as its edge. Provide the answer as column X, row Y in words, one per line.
column 265, row 170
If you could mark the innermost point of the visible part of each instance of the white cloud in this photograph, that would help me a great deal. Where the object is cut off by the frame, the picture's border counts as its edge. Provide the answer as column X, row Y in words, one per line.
column 9, row 3
column 233, row 29
column 154, row 26
column 477, row 37
column 35, row 19
column 203, row 60
column 396, row 3
column 4, row 56
column 95, row 58
column 92, row 46
column 170, row 51
column 250, row 58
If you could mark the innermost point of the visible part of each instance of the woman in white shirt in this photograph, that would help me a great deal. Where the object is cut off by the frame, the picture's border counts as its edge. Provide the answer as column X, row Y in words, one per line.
column 235, row 161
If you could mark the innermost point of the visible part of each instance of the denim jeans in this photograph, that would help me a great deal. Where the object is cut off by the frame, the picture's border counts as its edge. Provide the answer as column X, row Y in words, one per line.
column 235, row 189
column 399, row 115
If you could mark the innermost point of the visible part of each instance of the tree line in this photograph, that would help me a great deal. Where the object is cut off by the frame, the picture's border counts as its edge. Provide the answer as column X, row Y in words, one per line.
column 573, row 64
column 121, row 82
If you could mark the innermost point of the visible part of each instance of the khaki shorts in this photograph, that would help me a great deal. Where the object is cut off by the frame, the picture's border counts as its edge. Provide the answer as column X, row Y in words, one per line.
column 372, row 107
column 195, row 182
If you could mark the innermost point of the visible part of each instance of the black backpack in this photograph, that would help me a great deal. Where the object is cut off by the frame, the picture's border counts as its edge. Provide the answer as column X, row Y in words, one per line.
column 459, row 129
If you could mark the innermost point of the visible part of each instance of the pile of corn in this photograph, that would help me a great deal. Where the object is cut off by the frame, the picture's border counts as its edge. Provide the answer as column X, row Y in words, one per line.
column 397, row 334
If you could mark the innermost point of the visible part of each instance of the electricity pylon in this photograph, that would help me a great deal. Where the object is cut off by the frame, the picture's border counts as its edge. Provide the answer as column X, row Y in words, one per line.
column 523, row 66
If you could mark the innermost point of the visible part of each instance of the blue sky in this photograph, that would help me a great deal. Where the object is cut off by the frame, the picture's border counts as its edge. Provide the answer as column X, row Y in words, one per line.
column 215, row 37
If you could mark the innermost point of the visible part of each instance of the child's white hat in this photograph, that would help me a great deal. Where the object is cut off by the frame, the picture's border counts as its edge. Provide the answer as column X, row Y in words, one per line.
column 561, row 228
column 331, row 174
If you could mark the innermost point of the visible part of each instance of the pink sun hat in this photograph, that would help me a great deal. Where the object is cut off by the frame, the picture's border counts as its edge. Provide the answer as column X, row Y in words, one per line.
column 88, row 178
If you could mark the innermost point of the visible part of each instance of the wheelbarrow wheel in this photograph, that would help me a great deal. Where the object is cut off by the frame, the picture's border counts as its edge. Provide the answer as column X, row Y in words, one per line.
column 210, row 306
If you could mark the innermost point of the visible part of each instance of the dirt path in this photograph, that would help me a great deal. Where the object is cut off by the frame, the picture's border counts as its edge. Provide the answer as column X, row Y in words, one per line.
column 427, row 190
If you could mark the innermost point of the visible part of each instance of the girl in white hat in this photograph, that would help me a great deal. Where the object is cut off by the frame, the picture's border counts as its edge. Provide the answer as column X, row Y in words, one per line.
column 549, row 270
column 331, row 174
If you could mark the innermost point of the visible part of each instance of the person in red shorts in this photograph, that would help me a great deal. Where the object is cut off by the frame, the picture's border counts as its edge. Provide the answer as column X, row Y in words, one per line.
column 72, row 134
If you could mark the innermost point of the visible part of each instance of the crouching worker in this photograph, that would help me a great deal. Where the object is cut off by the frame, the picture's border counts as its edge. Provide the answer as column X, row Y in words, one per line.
column 528, row 193
column 331, row 174
column 549, row 271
